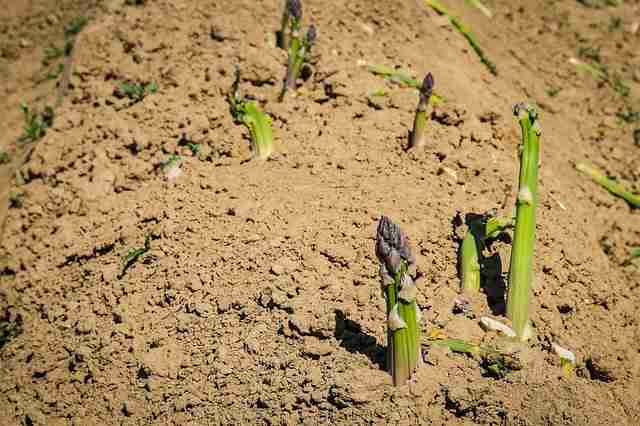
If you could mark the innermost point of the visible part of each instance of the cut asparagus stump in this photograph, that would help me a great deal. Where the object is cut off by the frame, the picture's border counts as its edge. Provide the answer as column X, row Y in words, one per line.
column 403, row 314
column 418, row 138
column 520, row 272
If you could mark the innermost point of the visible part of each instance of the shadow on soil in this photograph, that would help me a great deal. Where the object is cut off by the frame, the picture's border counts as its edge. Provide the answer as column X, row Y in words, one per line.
column 353, row 339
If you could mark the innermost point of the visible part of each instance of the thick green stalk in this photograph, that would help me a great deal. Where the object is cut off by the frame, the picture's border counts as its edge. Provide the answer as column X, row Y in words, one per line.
column 521, row 269
column 259, row 125
column 403, row 323
column 609, row 184
column 469, row 265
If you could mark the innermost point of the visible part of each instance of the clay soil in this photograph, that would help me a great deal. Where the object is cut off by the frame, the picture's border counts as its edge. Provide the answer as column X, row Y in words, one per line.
column 258, row 301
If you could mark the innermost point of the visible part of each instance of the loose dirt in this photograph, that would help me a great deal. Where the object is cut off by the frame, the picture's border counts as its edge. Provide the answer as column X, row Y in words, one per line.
column 258, row 301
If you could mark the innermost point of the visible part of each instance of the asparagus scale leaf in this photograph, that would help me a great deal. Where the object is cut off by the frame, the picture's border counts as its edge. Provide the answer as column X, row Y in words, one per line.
column 609, row 184
column 403, row 314
column 418, row 137
column 258, row 122
column 521, row 268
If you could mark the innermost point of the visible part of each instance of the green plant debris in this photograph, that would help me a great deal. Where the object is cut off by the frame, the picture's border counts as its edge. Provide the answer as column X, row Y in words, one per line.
column 35, row 123
column 522, row 253
column 75, row 26
column 480, row 6
column 171, row 161
column 137, row 91
column 378, row 93
column 400, row 77
column 52, row 53
column 133, row 255
column 494, row 226
column 635, row 254
column 10, row 326
column 494, row 363
column 464, row 30
column 5, row 158
column 248, row 113
column 597, row 4
column 599, row 72
column 609, row 184
column 404, row 353
column 552, row 92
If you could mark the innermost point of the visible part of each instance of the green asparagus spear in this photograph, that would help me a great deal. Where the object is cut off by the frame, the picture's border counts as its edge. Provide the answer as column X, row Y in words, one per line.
column 609, row 184
column 469, row 264
column 299, row 47
column 520, row 272
column 418, row 137
column 403, row 315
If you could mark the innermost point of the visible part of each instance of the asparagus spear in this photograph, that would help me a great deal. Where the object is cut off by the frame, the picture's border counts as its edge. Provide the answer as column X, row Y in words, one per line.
column 258, row 123
column 469, row 264
column 287, row 22
column 403, row 314
column 609, row 184
column 299, row 48
column 520, row 272
column 418, row 138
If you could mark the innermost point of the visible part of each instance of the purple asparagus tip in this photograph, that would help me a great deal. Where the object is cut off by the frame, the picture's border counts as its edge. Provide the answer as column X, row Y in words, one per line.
column 392, row 245
column 311, row 35
column 427, row 85
column 295, row 9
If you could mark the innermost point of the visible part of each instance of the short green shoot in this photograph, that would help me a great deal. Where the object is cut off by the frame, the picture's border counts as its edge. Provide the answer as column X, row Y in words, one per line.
column 4, row 157
column 480, row 230
column 462, row 29
column 248, row 113
column 133, row 255
column 404, row 352
column 35, row 123
column 609, row 184
column 299, row 47
column 522, row 253
column 418, row 134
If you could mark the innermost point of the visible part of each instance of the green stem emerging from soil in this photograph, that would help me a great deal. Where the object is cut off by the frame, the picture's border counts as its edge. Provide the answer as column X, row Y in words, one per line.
column 403, row 314
column 469, row 264
column 609, row 184
column 520, row 272
column 418, row 137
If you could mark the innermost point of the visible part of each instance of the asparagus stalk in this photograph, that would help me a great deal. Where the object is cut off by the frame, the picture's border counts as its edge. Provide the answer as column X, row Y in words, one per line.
column 418, row 138
column 609, row 184
column 520, row 272
column 299, row 48
column 469, row 264
column 403, row 314
column 283, row 34
column 258, row 123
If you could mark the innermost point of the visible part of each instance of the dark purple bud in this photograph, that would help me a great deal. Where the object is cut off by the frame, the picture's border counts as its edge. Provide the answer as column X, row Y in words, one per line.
column 295, row 9
column 392, row 245
column 311, row 35
column 427, row 88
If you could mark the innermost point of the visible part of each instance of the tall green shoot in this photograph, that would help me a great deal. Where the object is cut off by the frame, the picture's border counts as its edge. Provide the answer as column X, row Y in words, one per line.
column 418, row 137
column 521, row 268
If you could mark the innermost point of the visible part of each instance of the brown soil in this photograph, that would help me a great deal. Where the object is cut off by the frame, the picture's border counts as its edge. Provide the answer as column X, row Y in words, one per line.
column 258, row 301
